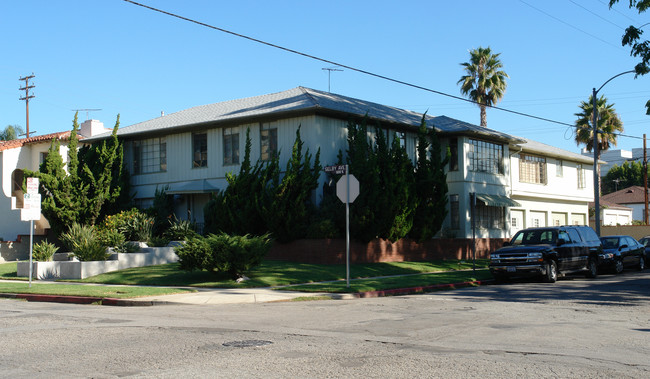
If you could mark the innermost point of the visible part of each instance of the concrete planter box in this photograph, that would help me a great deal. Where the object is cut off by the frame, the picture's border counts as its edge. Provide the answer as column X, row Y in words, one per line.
column 73, row 269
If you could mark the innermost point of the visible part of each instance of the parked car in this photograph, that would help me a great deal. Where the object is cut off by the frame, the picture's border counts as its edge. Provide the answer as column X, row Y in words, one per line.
column 645, row 241
column 548, row 252
column 620, row 252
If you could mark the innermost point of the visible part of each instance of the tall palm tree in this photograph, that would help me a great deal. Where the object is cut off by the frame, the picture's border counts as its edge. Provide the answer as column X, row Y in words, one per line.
column 484, row 82
column 609, row 126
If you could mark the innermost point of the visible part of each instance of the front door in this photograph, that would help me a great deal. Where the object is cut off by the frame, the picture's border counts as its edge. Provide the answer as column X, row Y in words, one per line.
column 516, row 221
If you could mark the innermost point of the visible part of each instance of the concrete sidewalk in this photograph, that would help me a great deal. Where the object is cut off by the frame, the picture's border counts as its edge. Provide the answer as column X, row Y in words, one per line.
column 216, row 296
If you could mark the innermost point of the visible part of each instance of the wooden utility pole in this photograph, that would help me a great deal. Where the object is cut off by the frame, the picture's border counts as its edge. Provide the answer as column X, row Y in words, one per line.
column 26, row 88
column 645, row 182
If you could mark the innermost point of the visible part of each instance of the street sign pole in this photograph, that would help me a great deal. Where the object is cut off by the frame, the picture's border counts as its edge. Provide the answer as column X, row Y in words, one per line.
column 347, row 226
column 31, row 250
column 347, row 190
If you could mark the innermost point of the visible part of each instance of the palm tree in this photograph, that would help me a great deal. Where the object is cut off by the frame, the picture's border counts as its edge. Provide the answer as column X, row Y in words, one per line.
column 484, row 82
column 609, row 126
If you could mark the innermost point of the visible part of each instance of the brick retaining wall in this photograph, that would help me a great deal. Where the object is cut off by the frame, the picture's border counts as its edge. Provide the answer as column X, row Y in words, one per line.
column 332, row 251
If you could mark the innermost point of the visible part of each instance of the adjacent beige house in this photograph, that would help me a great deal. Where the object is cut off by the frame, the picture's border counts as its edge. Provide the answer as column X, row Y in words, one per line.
column 28, row 153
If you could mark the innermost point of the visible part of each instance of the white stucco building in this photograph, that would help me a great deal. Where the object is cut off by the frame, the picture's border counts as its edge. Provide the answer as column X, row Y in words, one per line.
column 518, row 183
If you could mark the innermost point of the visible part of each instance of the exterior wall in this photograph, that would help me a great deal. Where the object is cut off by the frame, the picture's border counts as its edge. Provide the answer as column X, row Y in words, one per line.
column 317, row 132
column 26, row 157
column 463, row 182
column 557, row 202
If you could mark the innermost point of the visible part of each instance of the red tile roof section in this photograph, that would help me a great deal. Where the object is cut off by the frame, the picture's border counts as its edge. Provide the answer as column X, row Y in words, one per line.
column 61, row 136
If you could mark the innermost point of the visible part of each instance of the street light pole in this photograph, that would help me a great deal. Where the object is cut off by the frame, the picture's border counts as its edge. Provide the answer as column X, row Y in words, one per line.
column 596, row 148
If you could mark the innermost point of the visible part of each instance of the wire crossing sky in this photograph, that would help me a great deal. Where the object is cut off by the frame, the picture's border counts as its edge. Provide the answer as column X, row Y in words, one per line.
column 117, row 58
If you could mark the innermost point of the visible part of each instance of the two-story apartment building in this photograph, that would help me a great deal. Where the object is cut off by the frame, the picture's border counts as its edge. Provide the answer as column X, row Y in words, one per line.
column 190, row 151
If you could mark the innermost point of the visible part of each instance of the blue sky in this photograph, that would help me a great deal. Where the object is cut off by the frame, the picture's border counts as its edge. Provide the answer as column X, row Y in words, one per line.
column 121, row 58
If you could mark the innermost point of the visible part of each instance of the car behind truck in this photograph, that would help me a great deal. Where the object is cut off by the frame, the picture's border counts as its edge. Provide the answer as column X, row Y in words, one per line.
column 548, row 252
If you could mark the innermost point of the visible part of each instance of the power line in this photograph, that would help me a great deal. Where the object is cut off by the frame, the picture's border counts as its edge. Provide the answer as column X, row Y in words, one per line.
column 569, row 25
column 360, row 70
column 597, row 15
column 342, row 65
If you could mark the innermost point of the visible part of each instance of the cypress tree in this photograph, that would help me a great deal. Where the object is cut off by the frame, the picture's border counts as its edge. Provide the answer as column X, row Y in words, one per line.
column 430, row 184
column 291, row 208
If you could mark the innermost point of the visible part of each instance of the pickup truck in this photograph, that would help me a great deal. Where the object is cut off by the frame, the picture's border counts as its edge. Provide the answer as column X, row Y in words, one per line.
column 548, row 252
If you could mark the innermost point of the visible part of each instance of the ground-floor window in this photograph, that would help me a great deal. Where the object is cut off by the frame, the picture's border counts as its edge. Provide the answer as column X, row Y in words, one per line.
column 454, row 211
column 489, row 217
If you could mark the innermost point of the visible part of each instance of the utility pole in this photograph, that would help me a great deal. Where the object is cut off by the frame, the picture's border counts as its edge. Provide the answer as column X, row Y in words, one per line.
column 26, row 98
column 645, row 183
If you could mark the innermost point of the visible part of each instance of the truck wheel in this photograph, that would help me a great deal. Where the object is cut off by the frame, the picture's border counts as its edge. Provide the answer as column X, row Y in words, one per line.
column 592, row 268
column 618, row 266
column 551, row 272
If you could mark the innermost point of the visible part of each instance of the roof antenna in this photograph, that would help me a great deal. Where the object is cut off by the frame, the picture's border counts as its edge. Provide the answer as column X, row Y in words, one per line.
column 87, row 112
column 329, row 75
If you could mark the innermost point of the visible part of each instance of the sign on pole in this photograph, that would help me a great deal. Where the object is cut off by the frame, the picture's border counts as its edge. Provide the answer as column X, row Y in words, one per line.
column 31, row 211
column 336, row 169
column 342, row 188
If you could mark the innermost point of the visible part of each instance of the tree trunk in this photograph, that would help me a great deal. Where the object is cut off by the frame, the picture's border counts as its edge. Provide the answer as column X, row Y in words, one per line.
column 483, row 116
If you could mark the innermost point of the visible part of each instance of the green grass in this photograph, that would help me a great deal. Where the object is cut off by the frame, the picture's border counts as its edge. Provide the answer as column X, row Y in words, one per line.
column 366, row 277
column 88, row 291
column 9, row 271
column 375, row 284
column 272, row 273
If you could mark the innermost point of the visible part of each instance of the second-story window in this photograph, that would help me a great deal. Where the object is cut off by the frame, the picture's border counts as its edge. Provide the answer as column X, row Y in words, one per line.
column 485, row 157
column 581, row 176
column 559, row 169
column 149, row 155
column 402, row 139
column 453, row 150
column 532, row 169
column 268, row 141
column 230, row 146
column 199, row 150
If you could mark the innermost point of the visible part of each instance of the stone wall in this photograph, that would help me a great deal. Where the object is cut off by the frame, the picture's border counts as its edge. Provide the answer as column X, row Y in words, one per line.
column 18, row 250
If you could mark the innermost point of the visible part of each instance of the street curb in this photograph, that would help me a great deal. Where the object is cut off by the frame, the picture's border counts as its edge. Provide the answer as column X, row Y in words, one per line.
column 144, row 303
column 75, row 299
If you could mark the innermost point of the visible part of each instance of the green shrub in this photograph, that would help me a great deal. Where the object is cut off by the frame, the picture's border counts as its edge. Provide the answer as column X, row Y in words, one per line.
column 84, row 243
column 133, row 224
column 180, row 230
column 323, row 229
column 110, row 237
column 234, row 255
column 193, row 254
column 43, row 251
column 158, row 241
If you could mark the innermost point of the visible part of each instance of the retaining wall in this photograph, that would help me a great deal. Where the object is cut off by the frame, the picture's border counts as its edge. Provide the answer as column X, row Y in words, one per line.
column 332, row 251
column 80, row 270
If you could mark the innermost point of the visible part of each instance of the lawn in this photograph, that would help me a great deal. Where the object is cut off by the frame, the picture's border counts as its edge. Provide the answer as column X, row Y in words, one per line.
column 365, row 277
column 274, row 273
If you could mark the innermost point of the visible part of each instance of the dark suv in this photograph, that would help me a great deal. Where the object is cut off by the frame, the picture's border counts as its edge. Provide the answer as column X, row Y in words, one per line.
column 548, row 252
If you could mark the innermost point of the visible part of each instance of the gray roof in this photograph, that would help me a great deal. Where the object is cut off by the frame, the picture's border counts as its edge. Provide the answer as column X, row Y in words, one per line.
column 531, row 146
column 299, row 100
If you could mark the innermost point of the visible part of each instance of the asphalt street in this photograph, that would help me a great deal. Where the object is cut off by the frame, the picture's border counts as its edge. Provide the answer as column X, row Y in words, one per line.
column 575, row 328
